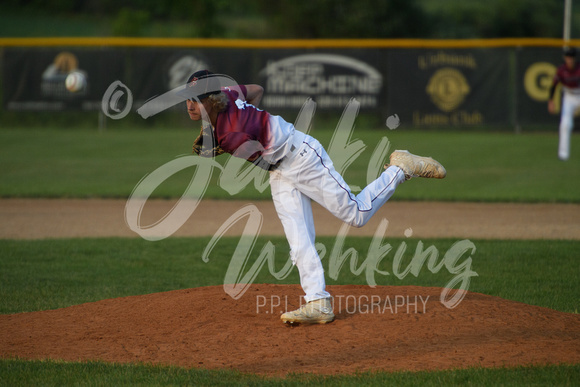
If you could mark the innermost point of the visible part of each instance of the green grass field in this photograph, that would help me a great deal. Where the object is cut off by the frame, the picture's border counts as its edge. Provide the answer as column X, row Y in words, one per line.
column 88, row 163
column 50, row 274
column 53, row 373
column 47, row 274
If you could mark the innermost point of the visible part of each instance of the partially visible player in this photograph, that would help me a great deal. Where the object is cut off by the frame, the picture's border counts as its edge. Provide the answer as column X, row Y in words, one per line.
column 568, row 74
column 300, row 171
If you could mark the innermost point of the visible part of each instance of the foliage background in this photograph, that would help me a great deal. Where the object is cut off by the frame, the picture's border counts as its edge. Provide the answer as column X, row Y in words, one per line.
column 455, row 19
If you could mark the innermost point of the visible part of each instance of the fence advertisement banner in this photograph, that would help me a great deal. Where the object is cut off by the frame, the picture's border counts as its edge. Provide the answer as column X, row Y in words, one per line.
column 330, row 77
column 34, row 79
column 289, row 77
column 536, row 67
column 154, row 71
column 449, row 87
column 425, row 87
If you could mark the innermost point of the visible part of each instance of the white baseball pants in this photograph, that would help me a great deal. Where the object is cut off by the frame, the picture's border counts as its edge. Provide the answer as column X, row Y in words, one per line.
column 306, row 174
column 570, row 102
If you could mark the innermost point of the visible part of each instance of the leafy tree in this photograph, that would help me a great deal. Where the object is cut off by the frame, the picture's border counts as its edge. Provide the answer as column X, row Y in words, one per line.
column 346, row 19
column 495, row 18
column 318, row 18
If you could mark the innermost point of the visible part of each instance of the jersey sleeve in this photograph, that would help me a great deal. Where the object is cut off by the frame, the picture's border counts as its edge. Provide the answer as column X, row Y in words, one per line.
column 244, row 91
column 236, row 91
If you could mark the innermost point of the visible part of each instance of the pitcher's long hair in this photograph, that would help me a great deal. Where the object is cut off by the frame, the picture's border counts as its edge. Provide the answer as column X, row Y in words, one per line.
column 219, row 102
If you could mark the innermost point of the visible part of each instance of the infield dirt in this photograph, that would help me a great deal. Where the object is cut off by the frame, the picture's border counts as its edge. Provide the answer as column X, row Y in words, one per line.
column 61, row 218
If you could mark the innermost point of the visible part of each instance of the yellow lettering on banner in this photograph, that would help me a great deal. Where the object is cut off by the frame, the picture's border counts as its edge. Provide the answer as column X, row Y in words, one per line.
column 430, row 119
column 460, row 117
column 538, row 79
column 442, row 58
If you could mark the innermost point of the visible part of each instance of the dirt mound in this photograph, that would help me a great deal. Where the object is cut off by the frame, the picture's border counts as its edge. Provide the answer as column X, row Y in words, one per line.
column 383, row 328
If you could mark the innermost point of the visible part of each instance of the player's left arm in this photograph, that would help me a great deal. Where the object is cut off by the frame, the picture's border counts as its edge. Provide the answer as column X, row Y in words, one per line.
column 254, row 94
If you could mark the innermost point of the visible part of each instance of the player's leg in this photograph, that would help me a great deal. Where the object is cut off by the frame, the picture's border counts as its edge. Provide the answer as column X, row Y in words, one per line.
column 316, row 177
column 566, row 125
column 295, row 212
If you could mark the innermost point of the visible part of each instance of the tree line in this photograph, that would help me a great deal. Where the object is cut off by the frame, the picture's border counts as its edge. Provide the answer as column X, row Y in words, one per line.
column 325, row 19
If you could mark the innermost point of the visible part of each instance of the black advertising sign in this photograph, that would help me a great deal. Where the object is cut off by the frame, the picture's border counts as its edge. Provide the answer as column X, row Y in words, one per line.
column 34, row 78
column 449, row 87
column 156, row 71
column 329, row 77
column 536, row 69
column 424, row 87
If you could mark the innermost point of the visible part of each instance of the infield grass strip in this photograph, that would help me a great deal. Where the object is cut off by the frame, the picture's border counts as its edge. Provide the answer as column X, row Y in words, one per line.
column 20, row 372
column 48, row 274
column 481, row 166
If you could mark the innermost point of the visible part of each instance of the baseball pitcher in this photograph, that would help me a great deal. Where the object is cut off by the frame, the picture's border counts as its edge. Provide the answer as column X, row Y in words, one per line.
column 300, row 171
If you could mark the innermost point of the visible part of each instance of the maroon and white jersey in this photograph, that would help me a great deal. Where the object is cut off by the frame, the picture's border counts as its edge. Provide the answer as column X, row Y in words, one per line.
column 241, row 122
column 569, row 78
column 246, row 131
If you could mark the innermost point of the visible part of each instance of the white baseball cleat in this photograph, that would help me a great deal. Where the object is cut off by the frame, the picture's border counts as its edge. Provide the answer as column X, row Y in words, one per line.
column 314, row 312
column 417, row 166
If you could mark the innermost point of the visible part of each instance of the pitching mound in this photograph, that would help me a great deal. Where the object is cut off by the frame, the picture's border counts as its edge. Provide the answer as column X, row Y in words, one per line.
column 385, row 328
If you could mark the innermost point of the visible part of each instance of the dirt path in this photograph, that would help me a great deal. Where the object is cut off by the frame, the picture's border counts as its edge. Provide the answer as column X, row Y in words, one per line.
column 60, row 218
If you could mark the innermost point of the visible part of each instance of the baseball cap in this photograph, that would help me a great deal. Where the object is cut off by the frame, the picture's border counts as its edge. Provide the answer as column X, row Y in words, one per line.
column 570, row 51
column 202, row 84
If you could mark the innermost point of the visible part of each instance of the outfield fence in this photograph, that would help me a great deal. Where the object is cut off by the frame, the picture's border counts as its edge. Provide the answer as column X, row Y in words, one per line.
column 502, row 83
